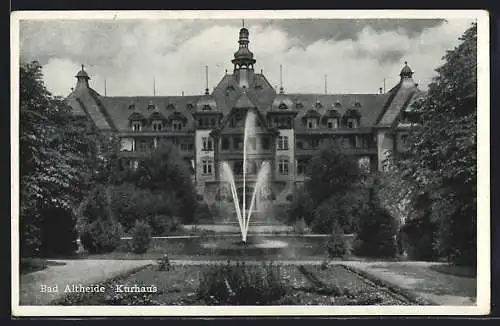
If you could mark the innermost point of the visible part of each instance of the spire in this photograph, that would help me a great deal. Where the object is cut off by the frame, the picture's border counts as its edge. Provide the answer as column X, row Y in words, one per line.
column 82, row 78
column 243, row 58
column 154, row 86
column 326, row 85
column 206, row 81
column 282, row 91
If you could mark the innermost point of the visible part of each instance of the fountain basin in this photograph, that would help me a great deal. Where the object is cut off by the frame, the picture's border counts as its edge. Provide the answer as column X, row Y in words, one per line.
column 235, row 247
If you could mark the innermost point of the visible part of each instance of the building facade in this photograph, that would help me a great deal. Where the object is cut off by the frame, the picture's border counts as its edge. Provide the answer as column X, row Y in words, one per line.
column 208, row 129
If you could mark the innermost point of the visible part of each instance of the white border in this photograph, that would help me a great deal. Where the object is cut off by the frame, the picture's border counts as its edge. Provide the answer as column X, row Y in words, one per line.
column 483, row 155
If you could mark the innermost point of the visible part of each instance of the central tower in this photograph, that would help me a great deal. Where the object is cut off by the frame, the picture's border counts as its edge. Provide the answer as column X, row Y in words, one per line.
column 243, row 60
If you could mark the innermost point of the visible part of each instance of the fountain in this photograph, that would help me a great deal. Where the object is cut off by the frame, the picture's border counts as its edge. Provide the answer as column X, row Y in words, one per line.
column 242, row 214
column 257, row 246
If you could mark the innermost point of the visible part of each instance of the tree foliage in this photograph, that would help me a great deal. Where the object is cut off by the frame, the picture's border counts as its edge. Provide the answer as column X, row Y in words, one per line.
column 330, row 172
column 441, row 158
column 165, row 172
column 55, row 156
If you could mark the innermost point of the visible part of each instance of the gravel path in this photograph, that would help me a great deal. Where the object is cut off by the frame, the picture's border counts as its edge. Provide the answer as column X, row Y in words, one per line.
column 419, row 278
column 70, row 272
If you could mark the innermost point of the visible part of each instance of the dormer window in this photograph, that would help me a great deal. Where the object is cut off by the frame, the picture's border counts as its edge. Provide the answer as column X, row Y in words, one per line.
column 299, row 105
column 190, row 106
column 282, row 106
column 206, row 107
column 337, row 105
column 258, row 86
column 131, row 106
column 177, row 125
column 151, row 106
column 352, row 123
column 351, row 119
column 318, row 105
column 136, row 125
column 170, row 106
column 157, row 125
column 332, row 123
column 311, row 123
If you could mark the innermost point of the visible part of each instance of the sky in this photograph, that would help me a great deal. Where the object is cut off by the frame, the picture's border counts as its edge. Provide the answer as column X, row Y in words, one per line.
column 132, row 55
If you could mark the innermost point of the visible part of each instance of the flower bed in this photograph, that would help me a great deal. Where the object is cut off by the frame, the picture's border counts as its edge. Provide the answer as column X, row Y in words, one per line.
column 290, row 285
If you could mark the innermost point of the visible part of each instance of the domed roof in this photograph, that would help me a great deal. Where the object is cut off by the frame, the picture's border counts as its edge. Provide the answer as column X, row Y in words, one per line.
column 82, row 74
column 243, row 53
column 406, row 71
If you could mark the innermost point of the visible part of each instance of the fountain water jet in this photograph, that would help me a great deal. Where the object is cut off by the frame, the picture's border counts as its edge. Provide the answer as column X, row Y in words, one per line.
column 242, row 214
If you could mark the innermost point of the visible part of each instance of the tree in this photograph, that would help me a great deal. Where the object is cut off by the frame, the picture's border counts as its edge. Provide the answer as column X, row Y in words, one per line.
column 166, row 172
column 330, row 172
column 442, row 151
column 100, row 232
column 54, row 159
column 378, row 229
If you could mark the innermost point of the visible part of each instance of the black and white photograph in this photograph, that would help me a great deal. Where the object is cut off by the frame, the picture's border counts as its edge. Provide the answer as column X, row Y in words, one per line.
column 212, row 163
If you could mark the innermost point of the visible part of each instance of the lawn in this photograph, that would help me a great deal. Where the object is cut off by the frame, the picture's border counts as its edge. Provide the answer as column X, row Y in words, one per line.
column 302, row 286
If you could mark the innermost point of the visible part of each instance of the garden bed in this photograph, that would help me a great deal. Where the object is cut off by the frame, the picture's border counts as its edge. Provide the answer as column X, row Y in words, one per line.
column 180, row 286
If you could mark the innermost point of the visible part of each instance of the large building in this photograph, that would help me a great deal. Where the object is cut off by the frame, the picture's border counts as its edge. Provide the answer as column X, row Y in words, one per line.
column 208, row 128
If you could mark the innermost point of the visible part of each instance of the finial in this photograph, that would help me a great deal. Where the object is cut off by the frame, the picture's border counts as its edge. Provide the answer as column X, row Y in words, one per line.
column 83, row 67
column 281, row 76
column 206, row 80
column 243, row 23
column 406, row 63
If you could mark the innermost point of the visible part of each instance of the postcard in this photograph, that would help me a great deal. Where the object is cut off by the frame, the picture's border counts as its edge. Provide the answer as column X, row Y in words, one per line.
column 250, row 163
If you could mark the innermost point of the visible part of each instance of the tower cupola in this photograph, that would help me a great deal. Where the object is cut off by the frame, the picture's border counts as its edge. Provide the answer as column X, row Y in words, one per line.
column 406, row 72
column 82, row 78
column 243, row 58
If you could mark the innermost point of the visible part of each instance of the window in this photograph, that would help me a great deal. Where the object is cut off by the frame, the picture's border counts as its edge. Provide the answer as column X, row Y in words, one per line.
column 238, row 167
column 136, row 125
column 176, row 125
column 352, row 123
column 184, row 147
column 301, row 167
column 190, row 146
column 207, row 166
column 300, row 145
column 157, row 125
column 332, row 123
column 200, row 123
column 225, row 143
column 238, row 142
column 311, row 123
column 283, row 166
column 207, row 143
column 265, row 143
column 282, row 143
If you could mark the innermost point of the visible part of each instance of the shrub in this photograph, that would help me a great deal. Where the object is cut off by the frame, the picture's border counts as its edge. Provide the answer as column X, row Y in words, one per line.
column 101, row 236
column 378, row 231
column 164, row 224
column 301, row 207
column 141, row 237
column 58, row 232
column 300, row 226
column 337, row 244
column 164, row 263
column 240, row 284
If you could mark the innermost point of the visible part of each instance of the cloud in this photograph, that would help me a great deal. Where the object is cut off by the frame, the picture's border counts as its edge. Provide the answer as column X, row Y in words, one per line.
column 356, row 55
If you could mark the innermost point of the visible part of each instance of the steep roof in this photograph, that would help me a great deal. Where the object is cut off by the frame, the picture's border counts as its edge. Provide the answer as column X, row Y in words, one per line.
column 118, row 107
column 371, row 105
